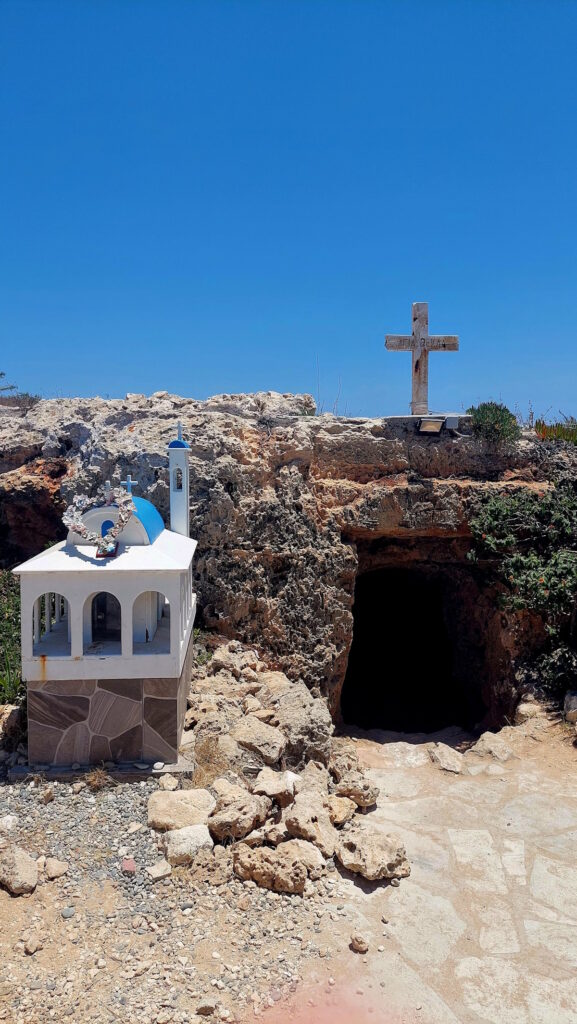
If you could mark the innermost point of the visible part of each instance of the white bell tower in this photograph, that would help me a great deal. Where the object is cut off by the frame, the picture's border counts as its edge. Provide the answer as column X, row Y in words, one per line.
column 179, row 485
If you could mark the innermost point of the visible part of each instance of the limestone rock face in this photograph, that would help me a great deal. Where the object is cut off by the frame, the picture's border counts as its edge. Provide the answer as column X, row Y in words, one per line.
column 372, row 854
column 282, row 502
column 18, row 872
column 182, row 845
column 266, row 741
column 180, row 808
column 234, row 820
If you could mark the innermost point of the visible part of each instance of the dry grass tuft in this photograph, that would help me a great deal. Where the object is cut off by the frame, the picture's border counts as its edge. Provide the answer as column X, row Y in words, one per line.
column 97, row 779
column 209, row 761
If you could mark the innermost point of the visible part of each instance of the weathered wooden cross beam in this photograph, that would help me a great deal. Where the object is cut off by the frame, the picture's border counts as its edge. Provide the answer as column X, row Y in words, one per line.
column 420, row 343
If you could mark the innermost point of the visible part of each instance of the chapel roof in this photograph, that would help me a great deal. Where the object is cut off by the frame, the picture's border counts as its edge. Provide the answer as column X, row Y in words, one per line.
column 171, row 552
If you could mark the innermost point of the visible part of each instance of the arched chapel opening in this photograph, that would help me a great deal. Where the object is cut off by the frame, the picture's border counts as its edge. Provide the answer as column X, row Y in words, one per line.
column 426, row 650
column 151, row 624
column 102, row 624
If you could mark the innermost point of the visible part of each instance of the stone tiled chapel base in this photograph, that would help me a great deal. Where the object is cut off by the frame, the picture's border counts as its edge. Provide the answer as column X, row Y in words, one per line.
column 92, row 720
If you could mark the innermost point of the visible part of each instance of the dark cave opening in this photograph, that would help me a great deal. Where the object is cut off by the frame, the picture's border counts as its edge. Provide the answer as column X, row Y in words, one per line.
column 416, row 663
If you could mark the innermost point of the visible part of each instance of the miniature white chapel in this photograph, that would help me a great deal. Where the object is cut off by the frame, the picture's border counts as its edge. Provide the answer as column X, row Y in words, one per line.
column 107, row 620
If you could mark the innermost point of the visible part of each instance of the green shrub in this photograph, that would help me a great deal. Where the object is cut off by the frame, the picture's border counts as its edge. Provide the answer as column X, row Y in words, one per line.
column 11, row 687
column 531, row 539
column 494, row 423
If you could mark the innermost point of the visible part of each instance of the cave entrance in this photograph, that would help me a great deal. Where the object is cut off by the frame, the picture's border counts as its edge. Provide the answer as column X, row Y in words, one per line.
column 415, row 665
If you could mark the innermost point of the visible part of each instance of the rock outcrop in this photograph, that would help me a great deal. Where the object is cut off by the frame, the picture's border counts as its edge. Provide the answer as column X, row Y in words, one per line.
column 287, row 507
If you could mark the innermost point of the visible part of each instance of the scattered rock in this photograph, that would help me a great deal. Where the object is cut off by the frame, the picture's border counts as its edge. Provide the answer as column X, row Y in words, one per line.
column 167, row 783
column 212, row 866
column 206, row 1008
column 18, row 872
column 341, row 809
column 307, row 854
column 181, row 845
column 160, row 870
column 228, row 791
column 304, row 719
column 309, row 818
column 265, row 740
column 55, row 868
column 570, row 706
column 373, row 855
column 446, row 757
column 67, row 913
column 314, row 777
column 10, row 721
column 179, row 809
column 359, row 944
column 128, row 866
column 235, row 820
column 8, row 822
column 279, row 786
column 491, row 745
column 342, row 761
column 357, row 788
column 279, row 869
column 32, row 944
column 47, row 795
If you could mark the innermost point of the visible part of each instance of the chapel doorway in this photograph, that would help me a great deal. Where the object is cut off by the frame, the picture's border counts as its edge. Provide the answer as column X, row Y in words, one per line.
column 408, row 671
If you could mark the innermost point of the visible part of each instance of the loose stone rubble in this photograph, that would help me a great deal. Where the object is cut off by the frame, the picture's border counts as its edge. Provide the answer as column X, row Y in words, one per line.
column 280, row 814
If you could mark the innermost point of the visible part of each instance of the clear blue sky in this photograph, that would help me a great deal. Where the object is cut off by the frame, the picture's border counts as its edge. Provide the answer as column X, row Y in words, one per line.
column 218, row 196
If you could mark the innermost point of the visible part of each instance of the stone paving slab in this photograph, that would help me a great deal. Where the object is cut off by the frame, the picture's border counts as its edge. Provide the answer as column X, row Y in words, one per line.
column 485, row 928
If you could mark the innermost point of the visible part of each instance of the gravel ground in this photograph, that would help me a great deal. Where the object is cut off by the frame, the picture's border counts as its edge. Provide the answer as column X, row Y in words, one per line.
column 113, row 947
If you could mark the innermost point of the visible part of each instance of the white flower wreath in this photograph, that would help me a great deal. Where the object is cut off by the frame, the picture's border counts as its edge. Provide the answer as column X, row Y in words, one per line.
column 72, row 517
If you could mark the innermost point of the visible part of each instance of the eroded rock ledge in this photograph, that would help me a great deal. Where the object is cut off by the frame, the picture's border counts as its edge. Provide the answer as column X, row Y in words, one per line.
column 287, row 507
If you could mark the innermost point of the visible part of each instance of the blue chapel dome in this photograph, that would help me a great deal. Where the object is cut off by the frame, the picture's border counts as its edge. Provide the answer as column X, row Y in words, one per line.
column 149, row 516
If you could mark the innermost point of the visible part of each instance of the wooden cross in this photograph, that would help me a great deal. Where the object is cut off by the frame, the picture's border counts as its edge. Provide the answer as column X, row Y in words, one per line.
column 420, row 343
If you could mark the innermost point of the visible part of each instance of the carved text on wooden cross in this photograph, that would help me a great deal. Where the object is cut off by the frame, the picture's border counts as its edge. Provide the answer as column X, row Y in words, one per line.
column 420, row 343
